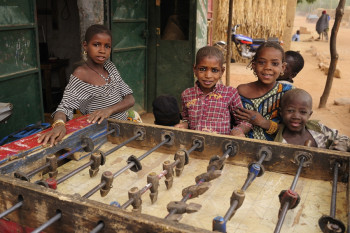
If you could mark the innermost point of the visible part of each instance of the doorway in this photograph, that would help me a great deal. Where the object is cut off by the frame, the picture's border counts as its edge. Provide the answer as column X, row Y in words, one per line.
column 173, row 43
column 59, row 47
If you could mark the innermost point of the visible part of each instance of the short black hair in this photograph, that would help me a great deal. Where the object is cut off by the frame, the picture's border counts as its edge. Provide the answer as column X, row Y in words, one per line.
column 292, row 94
column 268, row 44
column 210, row 51
column 298, row 63
column 166, row 110
column 96, row 29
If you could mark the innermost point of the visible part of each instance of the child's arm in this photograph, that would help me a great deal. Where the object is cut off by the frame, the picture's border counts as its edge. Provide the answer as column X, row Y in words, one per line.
column 242, row 127
column 240, row 130
column 336, row 141
column 99, row 115
column 184, row 114
column 253, row 117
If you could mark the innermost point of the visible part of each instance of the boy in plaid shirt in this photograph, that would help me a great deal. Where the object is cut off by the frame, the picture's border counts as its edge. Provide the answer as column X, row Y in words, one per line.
column 209, row 106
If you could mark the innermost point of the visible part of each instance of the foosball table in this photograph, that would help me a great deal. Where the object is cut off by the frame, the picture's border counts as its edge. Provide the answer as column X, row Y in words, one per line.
column 122, row 176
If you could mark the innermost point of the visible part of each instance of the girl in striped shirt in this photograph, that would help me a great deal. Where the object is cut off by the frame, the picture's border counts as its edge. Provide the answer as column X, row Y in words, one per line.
column 94, row 88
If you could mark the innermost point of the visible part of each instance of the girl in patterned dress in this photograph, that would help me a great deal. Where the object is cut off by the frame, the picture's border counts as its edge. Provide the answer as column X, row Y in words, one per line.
column 95, row 87
column 261, row 99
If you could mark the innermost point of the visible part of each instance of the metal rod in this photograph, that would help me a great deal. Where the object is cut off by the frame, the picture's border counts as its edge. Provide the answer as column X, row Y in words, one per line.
column 188, row 195
column 195, row 146
column 123, row 143
column 244, row 188
column 69, row 175
column 295, row 180
column 95, row 189
column 131, row 200
column 154, row 148
column 262, row 158
column 10, row 210
column 65, row 155
column 98, row 228
column 79, row 169
column 102, row 184
column 251, row 176
column 334, row 190
column 48, row 223
column 94, row 138
column 286, row 204
column 248, row 181
column 230, row 210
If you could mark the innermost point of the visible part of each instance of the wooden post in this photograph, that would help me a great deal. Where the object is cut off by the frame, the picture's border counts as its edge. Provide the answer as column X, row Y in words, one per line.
column 229, row 44
column 288, row 32
column 334, row 55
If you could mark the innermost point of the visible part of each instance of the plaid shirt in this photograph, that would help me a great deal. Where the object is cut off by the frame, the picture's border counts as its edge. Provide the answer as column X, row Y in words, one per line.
column 212, row 112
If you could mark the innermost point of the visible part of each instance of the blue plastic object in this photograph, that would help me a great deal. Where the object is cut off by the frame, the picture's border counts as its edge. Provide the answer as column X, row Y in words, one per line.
column 219, row 224
column 115, row 203
column 25, row 132
column 255, row 169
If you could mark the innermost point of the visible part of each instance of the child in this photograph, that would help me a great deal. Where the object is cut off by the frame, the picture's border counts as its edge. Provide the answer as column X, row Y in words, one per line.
column 296, row 36
column 94, row 88
column 261, row 99
column 209, row 106
column 166, row 110
column 295, row 63
column 296, row 109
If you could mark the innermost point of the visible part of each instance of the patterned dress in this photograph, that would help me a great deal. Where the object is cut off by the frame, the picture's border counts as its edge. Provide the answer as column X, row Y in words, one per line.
column 268, row 106
column 89, row 98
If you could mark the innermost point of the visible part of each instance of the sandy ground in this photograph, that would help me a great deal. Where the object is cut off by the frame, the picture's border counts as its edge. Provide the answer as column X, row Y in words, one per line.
column 312, row 79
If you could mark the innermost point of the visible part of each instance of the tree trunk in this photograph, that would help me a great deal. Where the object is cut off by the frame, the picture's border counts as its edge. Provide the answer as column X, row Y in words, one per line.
column 288, row 31
column 229, row 44
column 334, row 55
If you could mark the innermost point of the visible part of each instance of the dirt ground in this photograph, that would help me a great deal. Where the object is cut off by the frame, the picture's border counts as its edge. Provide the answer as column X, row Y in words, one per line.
column 312, row 79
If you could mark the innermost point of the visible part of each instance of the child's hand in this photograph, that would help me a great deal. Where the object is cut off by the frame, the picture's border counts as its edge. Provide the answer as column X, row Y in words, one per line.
column 339, row 145
column 99, row 115
column 237, row 132
column 183, row 125
column 250, row 116
column 53, row 136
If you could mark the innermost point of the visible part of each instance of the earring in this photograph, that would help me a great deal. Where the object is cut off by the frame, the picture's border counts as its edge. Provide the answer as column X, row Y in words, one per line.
column 281, row 74
column 84, row 56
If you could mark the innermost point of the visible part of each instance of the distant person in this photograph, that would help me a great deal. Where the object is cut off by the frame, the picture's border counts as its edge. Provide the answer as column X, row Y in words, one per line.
column 322, row 25
column 296, row 36
column 296, row 128
column 210, row 106
column 295, row 63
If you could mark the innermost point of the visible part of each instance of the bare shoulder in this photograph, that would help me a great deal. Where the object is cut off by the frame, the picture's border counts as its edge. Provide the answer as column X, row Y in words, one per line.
column 81, row 72
column 244, row 89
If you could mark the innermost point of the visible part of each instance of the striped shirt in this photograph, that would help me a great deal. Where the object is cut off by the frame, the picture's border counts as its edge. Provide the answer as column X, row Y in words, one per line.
column 89, row 98
column 212, row 112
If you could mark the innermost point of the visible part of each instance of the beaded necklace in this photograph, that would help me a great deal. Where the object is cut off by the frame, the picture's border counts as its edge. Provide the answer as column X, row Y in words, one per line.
column 101, row 75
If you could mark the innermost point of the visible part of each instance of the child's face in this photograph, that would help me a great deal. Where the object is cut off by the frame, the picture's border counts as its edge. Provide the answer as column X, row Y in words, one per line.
column 288, row 71
column 98, row 48
column 296, row 112
column 268, row 65
column 208, row 72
